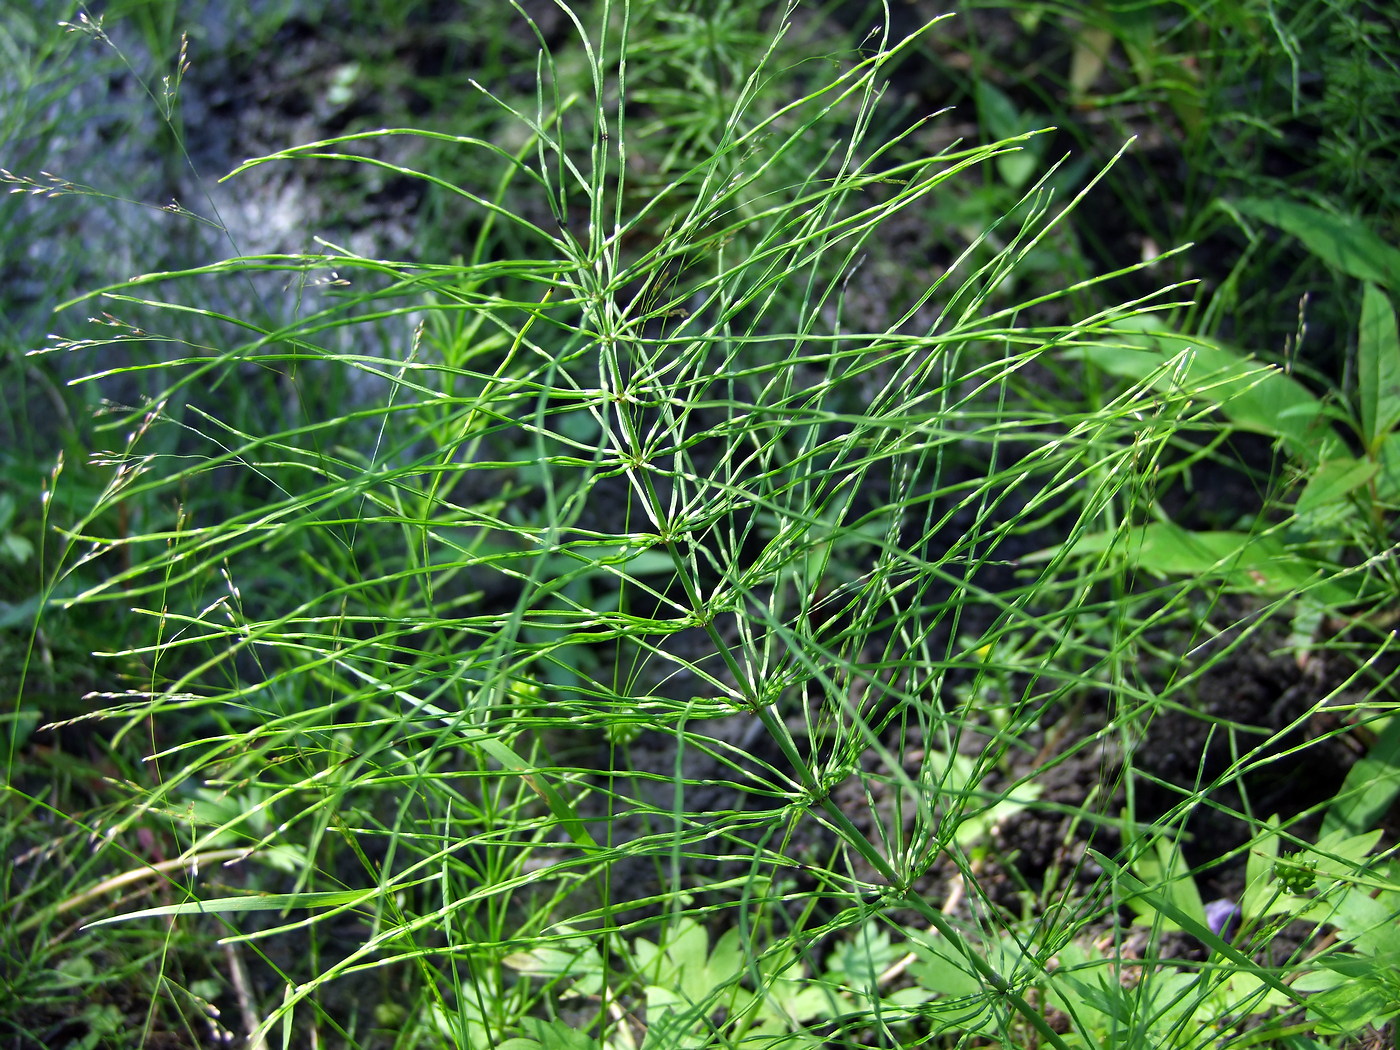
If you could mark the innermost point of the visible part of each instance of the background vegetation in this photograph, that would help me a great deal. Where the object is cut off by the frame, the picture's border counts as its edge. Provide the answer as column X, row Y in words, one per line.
column 700, row 525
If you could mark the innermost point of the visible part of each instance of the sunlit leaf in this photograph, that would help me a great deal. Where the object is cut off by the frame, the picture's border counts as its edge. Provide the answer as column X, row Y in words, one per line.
column 1342, row 243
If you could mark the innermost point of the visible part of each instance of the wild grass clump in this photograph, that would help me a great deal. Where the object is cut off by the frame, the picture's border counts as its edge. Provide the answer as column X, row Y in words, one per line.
column 599, row 631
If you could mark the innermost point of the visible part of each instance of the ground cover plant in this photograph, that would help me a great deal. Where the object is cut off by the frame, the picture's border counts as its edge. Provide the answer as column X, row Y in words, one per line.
column 739, row 572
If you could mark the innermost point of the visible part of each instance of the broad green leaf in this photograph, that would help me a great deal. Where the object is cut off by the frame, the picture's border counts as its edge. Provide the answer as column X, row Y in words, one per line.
column 1342, row 243
column 728, row 959
column 1344, row 1006
column 860, row 961
column 1001, row 118
column 1332, row 482
column 1170, row 550
column 1255, row 396
column 573, row 956
column 1342, row 853
column 687, row 950
column 941, row 968
column 553, row 1034
column 18, row 614
column 1370, row 787
column 1361, row 967
column 1243, row 993
column 1242, row 561
column 1261, row 891
column 1165, row 869
column 977, row 826
column 1105, row 997
column 1092, row 45
column 1388, row 481
column 1368, row 924
column 1378, row 368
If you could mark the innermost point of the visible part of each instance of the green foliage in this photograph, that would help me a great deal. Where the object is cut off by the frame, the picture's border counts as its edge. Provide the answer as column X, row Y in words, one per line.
column 1112, row 998
column 610, row 625
column 1343, row 504
column 681, row 985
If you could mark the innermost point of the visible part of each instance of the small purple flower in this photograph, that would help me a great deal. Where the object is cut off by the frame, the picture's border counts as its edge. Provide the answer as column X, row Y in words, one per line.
column 1223, row 916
